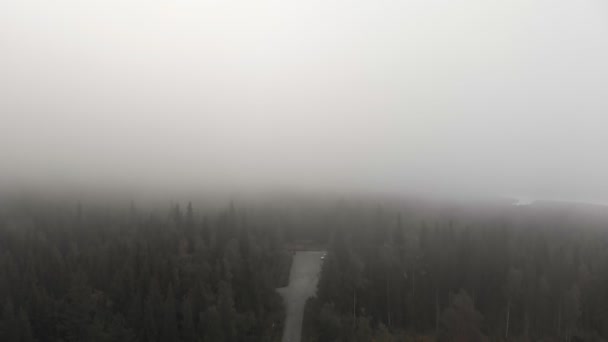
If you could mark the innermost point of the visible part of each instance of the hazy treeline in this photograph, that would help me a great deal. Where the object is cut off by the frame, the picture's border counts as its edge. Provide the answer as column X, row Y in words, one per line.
column 524, row 273
column 84, row 274
column 394, row 270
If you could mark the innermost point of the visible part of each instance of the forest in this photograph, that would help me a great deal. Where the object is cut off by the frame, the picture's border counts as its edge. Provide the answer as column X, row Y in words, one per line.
column 73, row 274
column 537, row 273
column 395, row 270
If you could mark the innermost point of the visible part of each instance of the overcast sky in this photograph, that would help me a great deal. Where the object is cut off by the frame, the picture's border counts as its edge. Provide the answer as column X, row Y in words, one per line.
column 501, row 97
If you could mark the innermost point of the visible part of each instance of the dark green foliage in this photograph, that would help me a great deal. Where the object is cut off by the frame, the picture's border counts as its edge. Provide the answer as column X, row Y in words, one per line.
column 188, row 328
column 15, row 326
column 528, row 272
column 213, row 330
column 89, row 274
column 168, row 324
column 461, row 321
column 391, row 272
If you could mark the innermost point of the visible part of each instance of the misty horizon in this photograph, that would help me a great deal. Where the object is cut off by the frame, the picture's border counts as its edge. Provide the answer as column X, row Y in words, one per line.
column 459, row 98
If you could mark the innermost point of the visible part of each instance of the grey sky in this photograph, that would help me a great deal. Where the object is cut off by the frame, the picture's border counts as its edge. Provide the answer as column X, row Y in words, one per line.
column 503, row 97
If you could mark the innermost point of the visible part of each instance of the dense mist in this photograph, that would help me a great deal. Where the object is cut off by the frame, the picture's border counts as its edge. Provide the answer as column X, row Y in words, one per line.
column 451, row 97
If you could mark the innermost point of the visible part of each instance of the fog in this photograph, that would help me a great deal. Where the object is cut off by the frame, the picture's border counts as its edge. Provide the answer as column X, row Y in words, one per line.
column 412, row 96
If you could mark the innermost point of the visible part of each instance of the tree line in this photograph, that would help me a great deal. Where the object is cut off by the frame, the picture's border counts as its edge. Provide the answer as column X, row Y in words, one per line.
column 394, row 271
column 94, row 274
column 514, row 274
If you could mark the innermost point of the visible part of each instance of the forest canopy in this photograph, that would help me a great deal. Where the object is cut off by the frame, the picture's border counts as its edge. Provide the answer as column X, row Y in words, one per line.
column 395, row 270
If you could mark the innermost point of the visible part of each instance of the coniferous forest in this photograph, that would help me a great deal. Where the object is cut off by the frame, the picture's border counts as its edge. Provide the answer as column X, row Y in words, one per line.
column 394, row 271
column 129, row 275
column 303, row 171
column 537, row 273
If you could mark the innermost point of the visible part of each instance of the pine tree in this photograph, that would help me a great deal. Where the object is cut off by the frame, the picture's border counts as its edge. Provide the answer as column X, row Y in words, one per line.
column 188, row 324
column 77, row 310
column 169, row 331
column 189, row 216
column 213, row 326
column 227, row 311
column 363, row 332
column 24, row 326
column 9, row 329
column 152, row 313
column 461, row 320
